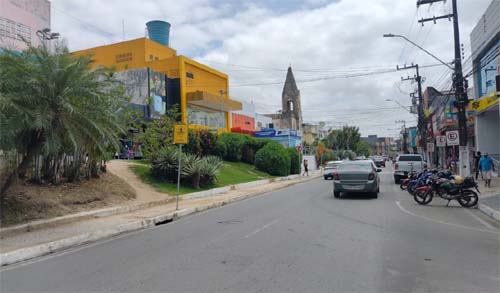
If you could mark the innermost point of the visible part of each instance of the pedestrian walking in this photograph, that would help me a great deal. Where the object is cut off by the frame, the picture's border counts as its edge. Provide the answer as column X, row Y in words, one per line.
column 486, row 165
column 306, row 170
column 477, row 157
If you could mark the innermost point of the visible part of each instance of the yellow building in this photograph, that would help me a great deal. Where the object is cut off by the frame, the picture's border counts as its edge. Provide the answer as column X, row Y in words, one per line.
column 157, row 78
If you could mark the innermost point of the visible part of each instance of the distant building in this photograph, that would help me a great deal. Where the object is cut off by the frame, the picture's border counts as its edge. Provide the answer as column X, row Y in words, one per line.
column 263, row 121
column 380, row 145
column 310, row 132
column 21, row 19
column 244, row 119
column 290, row 116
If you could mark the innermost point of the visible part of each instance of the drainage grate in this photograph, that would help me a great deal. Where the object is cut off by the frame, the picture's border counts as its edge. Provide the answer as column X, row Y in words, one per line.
column 166, row 221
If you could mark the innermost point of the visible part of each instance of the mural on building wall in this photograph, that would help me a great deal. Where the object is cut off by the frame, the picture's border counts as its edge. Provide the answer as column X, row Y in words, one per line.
column 157, row 93
column 135, row 83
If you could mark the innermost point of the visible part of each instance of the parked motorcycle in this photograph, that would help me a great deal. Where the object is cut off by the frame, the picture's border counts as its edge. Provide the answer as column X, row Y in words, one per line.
column 447, row 189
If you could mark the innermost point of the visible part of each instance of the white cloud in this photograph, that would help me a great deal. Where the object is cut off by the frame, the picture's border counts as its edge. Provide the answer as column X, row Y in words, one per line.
column 312, row 35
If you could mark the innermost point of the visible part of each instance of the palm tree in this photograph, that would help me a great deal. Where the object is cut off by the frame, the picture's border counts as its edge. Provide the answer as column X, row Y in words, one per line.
column 54, row 105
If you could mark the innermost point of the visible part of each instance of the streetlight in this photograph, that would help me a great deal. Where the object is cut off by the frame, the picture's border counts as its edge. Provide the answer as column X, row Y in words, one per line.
column 46, row 35
column 414, row 44
column 399, row 104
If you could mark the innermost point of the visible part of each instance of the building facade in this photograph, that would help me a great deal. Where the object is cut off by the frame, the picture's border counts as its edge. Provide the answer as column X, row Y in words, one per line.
column 244, row 119
column 20, row 20
column 485, row 45
column 201, row 93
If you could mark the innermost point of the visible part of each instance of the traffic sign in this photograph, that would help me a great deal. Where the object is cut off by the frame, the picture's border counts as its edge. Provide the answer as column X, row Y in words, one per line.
column 452, row 138
column 180, row 134
column 441, row 141
column 430, row 147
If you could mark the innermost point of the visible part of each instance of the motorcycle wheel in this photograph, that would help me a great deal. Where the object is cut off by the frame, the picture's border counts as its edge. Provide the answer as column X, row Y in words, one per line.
column 468, row 199
column 411, row 188
column 423, row 197
column 403, row 185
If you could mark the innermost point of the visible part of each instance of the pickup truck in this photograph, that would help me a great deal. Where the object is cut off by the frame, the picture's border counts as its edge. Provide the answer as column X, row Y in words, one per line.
column 405, row 164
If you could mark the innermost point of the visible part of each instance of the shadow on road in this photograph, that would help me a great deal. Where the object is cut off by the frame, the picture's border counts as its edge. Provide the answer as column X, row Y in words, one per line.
column 356, row 196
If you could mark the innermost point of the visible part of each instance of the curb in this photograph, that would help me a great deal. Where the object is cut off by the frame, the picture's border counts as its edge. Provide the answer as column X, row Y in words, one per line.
column 27, row 253
column 495, row 215
column 106, row 212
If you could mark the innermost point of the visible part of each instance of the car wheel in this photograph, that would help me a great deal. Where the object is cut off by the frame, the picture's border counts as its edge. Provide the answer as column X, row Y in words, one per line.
column 397, row 180
column 375, row 195
column 336, row 194
column 326, row 178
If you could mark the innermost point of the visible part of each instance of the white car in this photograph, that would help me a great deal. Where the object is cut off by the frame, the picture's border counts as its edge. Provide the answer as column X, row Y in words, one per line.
column 330, row 168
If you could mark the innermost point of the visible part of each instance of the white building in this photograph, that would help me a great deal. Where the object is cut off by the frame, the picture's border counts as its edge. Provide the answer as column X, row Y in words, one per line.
column 485, row 44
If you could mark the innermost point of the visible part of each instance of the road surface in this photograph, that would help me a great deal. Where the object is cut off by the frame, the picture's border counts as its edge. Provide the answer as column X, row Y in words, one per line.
column 298, row 239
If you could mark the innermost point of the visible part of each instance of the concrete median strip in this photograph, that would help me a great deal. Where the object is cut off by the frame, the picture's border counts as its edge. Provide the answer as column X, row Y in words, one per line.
column 27, row 253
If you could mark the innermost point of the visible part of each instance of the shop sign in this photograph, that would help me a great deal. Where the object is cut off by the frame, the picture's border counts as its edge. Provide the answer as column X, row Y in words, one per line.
column 265, row 133
column 441, row 141
column 485, row 102
column 430, row 147
column 452, row 138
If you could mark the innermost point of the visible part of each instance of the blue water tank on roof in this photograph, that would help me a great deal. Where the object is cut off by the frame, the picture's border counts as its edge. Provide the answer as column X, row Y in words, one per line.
column 159, row 31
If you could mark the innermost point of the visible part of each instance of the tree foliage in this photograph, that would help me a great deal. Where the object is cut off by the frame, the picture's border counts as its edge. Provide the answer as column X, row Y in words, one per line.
column 57, row 113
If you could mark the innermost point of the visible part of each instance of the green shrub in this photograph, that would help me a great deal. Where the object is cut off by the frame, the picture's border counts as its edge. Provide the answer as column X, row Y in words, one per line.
column 198, row 171
column 273, row 159
column 229, row 146
column 207, row 140
column 295, row 160
column 194, row 144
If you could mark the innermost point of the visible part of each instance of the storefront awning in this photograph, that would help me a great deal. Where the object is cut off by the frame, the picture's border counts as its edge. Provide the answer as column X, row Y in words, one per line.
column 214, row 102
column 486, row 102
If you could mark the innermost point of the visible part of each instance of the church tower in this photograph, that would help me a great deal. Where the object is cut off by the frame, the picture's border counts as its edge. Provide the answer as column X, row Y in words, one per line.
column 290, row 99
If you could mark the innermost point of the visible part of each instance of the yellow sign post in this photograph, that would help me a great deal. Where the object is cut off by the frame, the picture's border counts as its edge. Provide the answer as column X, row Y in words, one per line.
column 180, row 137
column 181, row 134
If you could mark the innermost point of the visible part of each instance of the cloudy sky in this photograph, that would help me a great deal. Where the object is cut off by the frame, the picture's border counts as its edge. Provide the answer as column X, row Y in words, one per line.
column 340, row 60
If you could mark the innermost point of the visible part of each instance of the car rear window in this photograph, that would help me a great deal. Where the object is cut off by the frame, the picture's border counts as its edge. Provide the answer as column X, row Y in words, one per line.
column 410, row 158
column 354, row 166
column 332, row 165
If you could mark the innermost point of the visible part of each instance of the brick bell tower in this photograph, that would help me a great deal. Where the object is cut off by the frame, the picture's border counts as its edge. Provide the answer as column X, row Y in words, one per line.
column 290, row 99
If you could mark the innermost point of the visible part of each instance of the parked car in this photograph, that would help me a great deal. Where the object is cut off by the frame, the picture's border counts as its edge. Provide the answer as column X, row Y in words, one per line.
column 406, row 163
column 379, row 161
column 330, row 168
column 356, row 177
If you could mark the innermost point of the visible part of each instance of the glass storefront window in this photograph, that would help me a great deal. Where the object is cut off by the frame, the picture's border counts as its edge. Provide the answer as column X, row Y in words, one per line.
column 206, row 117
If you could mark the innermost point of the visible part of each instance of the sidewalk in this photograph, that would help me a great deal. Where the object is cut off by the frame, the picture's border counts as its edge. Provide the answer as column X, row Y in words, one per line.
column 22, row 245
column 489, row 199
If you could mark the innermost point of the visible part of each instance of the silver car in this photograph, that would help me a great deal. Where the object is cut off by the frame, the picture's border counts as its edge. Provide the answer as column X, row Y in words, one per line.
column 330, row 168
column 356, row 177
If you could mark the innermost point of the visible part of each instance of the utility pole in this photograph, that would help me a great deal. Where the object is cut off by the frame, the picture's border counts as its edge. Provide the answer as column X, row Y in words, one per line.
column 458, row 81
column 405, row 145
column 422, row 128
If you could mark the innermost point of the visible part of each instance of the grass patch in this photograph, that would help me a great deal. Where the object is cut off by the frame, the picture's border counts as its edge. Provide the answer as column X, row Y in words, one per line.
column 231, row 173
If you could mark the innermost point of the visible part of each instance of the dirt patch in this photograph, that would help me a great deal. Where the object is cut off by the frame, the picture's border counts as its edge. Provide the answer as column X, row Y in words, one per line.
column 27, row 202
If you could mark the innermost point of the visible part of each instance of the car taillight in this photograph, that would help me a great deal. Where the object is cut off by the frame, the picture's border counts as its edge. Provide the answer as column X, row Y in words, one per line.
column 371, row 176
column 396, row 166
column 336, row 176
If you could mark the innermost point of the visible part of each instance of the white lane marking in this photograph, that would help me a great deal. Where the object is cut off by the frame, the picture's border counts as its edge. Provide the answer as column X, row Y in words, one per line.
column 441, row 222
column 262, row 228
column 488, row 225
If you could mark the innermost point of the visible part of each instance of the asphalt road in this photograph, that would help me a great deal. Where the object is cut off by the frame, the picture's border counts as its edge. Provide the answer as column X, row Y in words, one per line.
column 298, row 239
